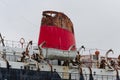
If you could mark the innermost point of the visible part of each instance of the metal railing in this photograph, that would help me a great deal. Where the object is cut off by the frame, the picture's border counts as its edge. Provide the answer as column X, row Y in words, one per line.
column 16, row 44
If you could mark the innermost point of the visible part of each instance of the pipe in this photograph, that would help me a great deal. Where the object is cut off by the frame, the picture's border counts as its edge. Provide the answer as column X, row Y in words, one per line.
column 117, row 75
column 51, row 67
column 90, row 75
column 81, row 74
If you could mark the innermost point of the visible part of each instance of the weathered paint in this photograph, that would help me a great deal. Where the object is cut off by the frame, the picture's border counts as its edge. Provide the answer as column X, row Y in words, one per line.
column 56, row 37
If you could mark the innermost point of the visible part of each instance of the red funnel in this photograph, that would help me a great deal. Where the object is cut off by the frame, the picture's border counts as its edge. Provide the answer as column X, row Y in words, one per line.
column 56, row 30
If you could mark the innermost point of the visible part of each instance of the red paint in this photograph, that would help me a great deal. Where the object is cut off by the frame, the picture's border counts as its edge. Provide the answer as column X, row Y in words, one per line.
column 56, row 37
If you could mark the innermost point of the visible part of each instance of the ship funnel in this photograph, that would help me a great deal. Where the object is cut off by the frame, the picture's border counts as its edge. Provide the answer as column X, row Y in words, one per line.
column 56, row 31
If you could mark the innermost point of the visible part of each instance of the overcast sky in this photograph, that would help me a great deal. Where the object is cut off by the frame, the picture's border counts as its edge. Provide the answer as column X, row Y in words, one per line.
column 96, row 22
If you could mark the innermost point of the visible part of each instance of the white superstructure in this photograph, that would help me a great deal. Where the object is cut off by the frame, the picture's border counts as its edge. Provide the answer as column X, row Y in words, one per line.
column 49, row 59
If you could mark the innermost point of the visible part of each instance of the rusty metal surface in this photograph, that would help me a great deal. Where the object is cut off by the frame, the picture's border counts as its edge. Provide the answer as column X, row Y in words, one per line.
column 53, row 18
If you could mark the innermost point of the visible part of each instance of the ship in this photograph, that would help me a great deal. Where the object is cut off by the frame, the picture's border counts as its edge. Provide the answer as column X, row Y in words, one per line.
column 55, row 56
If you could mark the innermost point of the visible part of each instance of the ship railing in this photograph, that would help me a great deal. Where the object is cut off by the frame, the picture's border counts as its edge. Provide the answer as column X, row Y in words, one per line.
column 76, row 76
column 17, row 44
column 100, row 77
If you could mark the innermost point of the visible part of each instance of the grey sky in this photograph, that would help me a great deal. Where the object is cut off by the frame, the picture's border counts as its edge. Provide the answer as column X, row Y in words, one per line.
column 96, row 22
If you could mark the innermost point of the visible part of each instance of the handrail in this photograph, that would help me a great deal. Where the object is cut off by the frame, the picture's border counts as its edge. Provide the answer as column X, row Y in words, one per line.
column 16, row 44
